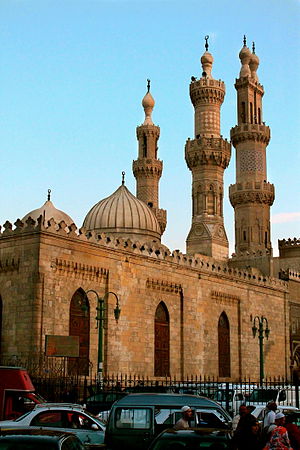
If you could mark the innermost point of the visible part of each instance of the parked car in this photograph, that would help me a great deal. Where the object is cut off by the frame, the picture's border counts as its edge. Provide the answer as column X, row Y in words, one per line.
column 136, row 419
column 102, row 401
column 64, row 417
column 195, row 439
column 29, row 439
column 260, row 411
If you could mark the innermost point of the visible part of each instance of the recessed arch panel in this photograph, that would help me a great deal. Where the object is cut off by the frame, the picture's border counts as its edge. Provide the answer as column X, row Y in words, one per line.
column 224, row 345
column 161, row 341
column 79, row 325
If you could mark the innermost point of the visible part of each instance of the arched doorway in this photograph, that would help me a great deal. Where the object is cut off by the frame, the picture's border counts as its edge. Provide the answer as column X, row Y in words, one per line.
column 224, row 346
column 79, row 325
column 161, row 342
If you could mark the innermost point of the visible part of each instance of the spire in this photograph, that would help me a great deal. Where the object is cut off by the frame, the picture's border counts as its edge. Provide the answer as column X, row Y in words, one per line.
column 123, row 178
column 245, row 56
column 206, row 42
column 48, row 197
column 254, row 63
column 206, row 61
column 148, row 105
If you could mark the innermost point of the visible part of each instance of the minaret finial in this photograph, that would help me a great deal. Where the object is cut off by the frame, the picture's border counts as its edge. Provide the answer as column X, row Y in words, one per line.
column 148, row 85
column 49, row 192
column 123, row 178
column 245, row 41
column 253, row 47
column 206, row 42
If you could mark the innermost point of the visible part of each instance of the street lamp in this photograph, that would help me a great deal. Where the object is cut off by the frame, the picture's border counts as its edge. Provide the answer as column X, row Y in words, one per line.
column 263, row 330
column 100, row 308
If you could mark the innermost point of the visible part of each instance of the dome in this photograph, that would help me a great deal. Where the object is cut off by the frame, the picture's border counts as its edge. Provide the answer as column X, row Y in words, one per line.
column 122, row 214
column 148, row 105
column 207, row 62
column 48, row 211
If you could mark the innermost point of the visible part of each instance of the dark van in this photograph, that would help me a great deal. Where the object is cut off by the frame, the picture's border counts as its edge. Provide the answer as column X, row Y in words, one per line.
column 136, row 419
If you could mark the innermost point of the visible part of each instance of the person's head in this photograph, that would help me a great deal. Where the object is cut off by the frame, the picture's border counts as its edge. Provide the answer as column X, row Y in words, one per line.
column 280, row 419
column 243, row 410
column 272, row 406
column 255, row 428
column 186, row 412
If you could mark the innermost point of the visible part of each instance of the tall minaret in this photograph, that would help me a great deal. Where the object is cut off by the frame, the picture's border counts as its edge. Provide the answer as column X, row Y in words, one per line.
column 251, row 196
column 207, row 156
column 147, row 169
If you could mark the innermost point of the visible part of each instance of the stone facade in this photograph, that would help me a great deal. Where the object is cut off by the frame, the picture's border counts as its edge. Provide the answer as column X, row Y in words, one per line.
column 182, row 310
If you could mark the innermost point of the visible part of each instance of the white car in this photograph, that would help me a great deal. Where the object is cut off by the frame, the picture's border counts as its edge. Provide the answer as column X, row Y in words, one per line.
column 260, row 411
column 61, row 416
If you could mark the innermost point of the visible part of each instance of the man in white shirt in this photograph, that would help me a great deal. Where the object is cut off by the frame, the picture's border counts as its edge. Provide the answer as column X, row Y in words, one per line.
column 270, row 416
column 184, row 422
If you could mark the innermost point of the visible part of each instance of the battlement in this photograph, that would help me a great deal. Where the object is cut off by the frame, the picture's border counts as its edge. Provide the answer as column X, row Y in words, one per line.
column 264, row 186
column 289, row 274
column 155, row 250
column 250, row 132
column 289, row 248
column 204, row 82
column 207, row 90
column 245, row 82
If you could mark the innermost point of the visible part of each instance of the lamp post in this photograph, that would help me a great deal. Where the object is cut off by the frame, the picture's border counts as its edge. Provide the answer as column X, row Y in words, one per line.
column 100, row 308
column 263, row 331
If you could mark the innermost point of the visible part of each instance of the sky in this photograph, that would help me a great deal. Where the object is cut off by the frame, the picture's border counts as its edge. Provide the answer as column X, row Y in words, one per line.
column 72, row 77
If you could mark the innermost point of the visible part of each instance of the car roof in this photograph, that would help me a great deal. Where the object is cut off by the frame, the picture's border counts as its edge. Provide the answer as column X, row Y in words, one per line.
column 179, row 400
column 51, row 405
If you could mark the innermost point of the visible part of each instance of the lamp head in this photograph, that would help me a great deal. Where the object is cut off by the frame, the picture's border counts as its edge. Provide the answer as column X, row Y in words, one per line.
column 117, row 312
column 254, row 330
column 267, row 332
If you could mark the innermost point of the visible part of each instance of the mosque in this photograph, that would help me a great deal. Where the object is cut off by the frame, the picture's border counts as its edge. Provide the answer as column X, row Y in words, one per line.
column 161, row 312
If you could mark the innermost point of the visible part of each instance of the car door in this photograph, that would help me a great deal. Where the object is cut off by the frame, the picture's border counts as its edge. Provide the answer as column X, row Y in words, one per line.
column 85, row 427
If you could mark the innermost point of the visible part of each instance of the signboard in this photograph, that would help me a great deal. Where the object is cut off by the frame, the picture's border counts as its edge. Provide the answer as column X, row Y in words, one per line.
column 62, row 345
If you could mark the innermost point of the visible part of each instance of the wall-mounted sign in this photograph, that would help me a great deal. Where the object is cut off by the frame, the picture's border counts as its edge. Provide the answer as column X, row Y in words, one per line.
column 62, row 346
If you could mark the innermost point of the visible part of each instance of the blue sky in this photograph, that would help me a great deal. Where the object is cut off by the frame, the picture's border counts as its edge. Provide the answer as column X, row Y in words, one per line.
column 72, row 77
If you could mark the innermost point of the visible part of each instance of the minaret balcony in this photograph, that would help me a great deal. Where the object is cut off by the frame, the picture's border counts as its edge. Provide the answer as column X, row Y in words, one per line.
column 147, row 167
column 207, row 151
column 250, row 132
column 206, row 91
column 251, row 192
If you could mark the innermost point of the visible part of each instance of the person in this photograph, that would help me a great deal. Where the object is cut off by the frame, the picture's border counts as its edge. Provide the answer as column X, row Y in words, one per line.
column 293, row 431
column 236, row 418
column 269, row 418
column 184, row 422
column 279, row 438
column 246, row 435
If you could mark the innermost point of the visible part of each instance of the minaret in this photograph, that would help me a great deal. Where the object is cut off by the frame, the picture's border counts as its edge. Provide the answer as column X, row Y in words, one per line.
column 251, row 196
column 147, row 169
column 207, row 156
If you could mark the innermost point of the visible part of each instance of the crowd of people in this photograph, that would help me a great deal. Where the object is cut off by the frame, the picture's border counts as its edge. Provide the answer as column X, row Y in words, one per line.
column 277, row 431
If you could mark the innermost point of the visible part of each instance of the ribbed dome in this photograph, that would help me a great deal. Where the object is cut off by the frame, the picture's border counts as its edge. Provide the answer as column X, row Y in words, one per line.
column 48, row 211
column 123, row 214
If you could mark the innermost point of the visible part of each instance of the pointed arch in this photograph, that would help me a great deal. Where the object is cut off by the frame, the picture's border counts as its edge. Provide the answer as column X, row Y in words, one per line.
column 79, row 325
column 161, row 341
column 224, row 345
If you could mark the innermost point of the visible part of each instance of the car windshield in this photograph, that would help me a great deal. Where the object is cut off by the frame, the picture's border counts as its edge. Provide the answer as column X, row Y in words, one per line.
column 18, row 419
column 263, row 395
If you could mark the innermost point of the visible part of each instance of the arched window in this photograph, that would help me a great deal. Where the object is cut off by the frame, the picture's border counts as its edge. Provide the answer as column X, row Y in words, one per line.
column 224, row 346
column 80, row 326
column 161, row 342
